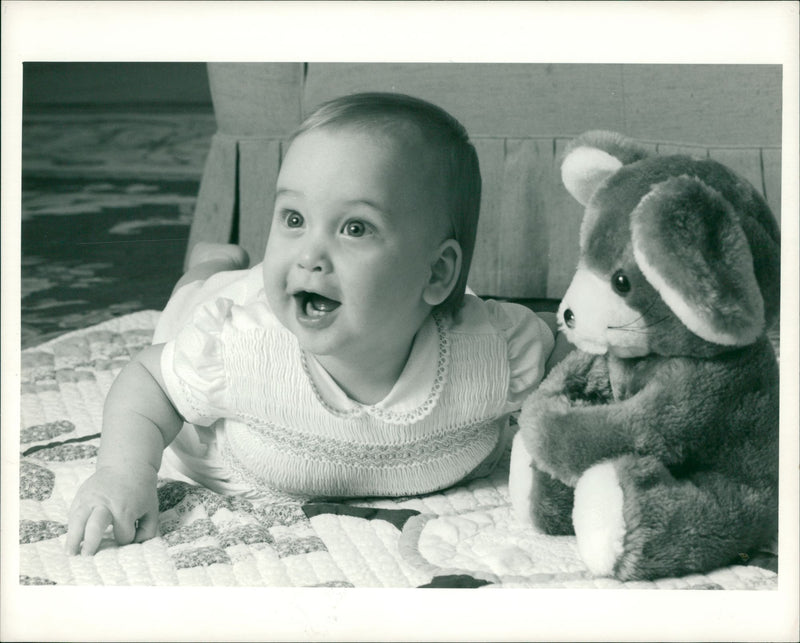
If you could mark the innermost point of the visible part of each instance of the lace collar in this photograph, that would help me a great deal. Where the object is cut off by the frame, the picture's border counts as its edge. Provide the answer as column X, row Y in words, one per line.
column 414, row 394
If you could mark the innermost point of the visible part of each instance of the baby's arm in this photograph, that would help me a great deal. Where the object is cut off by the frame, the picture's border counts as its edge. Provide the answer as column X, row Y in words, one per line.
column 139, row 420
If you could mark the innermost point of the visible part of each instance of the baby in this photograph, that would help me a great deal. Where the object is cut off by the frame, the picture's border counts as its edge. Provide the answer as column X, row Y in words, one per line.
column 350, row 362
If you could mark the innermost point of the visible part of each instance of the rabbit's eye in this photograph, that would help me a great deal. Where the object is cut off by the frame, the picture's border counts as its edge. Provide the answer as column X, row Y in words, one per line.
column 620, row 283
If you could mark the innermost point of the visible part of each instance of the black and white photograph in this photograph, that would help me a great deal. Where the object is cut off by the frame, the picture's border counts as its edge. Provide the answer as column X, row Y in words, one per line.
column 303, row 323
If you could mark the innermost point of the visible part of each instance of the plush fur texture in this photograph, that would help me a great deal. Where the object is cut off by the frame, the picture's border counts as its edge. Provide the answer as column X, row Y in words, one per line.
column 657, row 440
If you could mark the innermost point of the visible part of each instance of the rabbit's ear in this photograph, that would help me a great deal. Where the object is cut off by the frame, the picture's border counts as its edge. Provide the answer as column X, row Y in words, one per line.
column 592, row 157
column 690, row 246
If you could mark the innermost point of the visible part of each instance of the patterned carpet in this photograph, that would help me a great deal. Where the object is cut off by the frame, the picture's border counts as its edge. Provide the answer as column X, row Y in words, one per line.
column 106, row 205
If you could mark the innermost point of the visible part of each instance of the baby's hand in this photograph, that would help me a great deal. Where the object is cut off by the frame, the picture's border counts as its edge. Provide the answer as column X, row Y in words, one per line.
column 123, row 497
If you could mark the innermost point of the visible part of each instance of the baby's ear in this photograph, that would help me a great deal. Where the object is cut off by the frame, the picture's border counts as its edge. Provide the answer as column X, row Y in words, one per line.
column 594, row 156
column 690, row 246
column 445, row 270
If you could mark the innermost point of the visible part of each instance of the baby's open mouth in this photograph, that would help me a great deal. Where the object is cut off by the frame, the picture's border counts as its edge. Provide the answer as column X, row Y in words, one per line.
column 315, row 305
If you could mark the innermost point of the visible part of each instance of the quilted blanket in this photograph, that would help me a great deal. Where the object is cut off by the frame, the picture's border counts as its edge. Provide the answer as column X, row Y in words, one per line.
column 462, row 537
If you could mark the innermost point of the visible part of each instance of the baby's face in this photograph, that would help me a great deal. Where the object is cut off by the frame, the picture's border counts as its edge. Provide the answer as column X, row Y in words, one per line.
column 356, row 226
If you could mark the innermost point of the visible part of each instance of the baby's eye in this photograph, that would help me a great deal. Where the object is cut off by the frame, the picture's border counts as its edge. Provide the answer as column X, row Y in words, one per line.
column 355, row 228
column 293, row 219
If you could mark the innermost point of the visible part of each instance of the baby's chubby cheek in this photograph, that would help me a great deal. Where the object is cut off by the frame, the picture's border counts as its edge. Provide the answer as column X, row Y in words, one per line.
column 275, row 292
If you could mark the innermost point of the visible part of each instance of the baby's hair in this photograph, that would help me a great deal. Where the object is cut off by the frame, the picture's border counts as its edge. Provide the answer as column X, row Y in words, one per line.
column 391, row 114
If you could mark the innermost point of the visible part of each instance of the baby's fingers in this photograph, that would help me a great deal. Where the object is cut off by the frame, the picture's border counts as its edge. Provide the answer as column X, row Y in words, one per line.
column 96, row 525
column 124, row 529
column 147, row 527
column 75, row 528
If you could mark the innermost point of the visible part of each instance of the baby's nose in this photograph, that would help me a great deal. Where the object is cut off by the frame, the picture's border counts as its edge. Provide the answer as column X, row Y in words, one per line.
column 314, row 258
column 316, row 264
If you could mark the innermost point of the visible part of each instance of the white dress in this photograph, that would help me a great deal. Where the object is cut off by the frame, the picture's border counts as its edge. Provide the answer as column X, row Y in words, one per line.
column 262, row 416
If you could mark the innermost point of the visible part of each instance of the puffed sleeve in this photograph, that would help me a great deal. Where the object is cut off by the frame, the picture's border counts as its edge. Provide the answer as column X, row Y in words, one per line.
column 530, row 342
column 240, row 286
column 192, row 365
